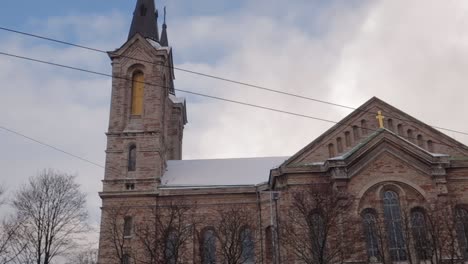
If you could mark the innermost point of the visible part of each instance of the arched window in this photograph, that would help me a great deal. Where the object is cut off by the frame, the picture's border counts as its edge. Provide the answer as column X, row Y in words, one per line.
column 209, row 247
column 364, row 127
column 462, row 230
column 128, row 226
column 269, row 244
column 317, row 231
column 132, row 158
column 347, row 136
column 331, row 150
column 390, row 124
column 421, row 242
column 170, row 252
column 400, row 129
column 410, row 135
column 356, row 133
column 248, row 248
column 339, row 145
column 138, row 89
column 392, row 216
column 430, row 146
column 420, row 141
column 371, row 233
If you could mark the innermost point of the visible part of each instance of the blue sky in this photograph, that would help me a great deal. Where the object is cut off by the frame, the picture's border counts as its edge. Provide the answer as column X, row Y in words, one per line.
column 412, row 54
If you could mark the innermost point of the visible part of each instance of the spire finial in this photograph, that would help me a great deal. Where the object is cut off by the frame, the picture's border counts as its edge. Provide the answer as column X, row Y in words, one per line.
column 164, row 40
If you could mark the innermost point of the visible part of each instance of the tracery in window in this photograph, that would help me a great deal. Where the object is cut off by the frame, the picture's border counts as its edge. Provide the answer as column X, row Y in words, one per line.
column 392, row 215
column 138, row 88
column 371, row 233
column 419, row 230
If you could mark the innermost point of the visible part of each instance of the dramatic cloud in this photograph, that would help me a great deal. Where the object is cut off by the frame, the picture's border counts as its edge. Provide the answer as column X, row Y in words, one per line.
column 411, row 54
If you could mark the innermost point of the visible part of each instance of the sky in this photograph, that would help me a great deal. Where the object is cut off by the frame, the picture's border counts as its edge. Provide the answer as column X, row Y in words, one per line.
column 411, row 54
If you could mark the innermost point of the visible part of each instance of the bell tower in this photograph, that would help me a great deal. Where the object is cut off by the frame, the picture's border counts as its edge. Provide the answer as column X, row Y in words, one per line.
column 146, row 118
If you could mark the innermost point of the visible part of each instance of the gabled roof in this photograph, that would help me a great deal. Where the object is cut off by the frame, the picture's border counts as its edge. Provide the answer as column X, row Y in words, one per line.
column 368, row 112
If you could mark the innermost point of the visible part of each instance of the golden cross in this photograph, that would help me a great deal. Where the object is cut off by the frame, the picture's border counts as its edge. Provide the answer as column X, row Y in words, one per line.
column 380, row 117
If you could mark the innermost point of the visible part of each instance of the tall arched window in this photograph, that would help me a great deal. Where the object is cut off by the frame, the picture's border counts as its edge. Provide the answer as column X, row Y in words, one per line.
column 209, row 247
column 462, row 230
column 171, row 247
column 421, row 242
column 390, row 124
column 347, row 136
column 356, row 133
column 138, row 89
column 364, row 127
column 410, row 135
column 331, row 150
column 269, row 244
column 392, row 216
column 430, row 146
column 128, row 226
column 317, row 230
column 420, row 141
column 371, row 233
column 339, row 145
column 248, row 248
column 132, row 158
column 400, row 129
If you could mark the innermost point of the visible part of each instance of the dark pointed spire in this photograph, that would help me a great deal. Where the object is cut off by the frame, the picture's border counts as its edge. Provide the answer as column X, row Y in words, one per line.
column 164, row 40
column 145, row 20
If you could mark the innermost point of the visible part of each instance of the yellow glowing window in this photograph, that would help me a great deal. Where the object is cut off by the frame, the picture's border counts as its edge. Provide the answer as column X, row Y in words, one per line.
column 138, row 88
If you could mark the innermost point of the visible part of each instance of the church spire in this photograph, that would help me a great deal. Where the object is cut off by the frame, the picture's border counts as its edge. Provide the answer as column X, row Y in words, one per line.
column 164, row 40
column 145, row 20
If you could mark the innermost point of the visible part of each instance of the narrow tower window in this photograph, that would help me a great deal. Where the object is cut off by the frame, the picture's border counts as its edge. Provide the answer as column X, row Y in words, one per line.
column 347, row 139
column 128, row 224
column 132, row 158
column 410, row 135
column 138, row 88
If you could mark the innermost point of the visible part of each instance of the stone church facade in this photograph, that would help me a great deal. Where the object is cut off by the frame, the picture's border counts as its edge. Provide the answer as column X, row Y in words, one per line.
column 371, row 189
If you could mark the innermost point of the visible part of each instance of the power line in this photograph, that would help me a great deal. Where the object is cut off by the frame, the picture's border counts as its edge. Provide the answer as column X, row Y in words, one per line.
column 209, row 96
column 221, row 78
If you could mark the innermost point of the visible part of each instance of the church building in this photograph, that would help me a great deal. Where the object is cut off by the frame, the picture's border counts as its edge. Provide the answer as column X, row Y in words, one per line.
column 378, row 187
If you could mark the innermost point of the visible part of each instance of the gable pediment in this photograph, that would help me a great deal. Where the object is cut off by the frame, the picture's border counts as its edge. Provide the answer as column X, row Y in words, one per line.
column 357, row 127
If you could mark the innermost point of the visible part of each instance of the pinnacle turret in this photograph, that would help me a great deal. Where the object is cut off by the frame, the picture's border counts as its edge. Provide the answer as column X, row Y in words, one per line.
column 145, row 20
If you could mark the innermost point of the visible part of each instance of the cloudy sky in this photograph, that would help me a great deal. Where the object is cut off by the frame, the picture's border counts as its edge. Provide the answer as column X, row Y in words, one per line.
column 412, row 54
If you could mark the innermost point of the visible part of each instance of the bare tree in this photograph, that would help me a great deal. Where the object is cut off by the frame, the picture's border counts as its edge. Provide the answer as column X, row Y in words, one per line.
column 166, row 233
column 313, row 228
column 52, row 212
column 236, row 236
column 84, row 256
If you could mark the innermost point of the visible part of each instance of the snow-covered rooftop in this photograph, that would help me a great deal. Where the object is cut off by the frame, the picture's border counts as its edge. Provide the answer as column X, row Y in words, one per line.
column 220, row 172
column 177, row 100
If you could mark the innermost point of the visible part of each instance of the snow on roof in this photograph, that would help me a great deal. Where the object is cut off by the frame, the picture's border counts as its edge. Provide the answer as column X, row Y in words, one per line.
column 158, row 46
column 177, row 100
column 220, row 172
